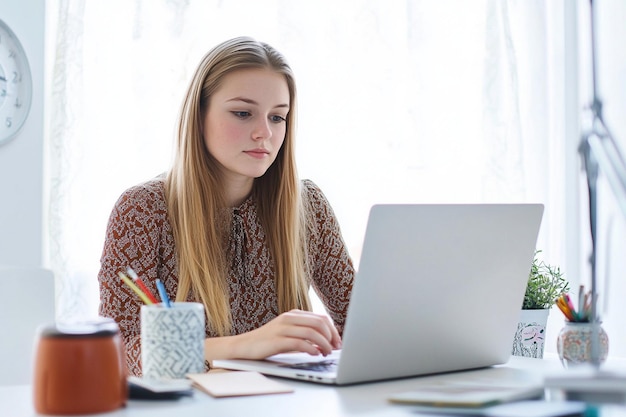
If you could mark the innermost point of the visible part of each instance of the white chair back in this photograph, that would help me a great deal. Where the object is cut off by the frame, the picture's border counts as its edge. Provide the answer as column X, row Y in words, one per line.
column 26, row 301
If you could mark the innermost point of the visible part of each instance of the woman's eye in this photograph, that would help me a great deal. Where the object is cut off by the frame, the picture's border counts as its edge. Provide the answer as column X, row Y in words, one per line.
column 278, row 119
column 241, row 114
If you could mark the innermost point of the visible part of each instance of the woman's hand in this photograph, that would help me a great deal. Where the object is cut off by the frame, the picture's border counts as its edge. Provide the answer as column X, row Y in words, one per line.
column 293, row 331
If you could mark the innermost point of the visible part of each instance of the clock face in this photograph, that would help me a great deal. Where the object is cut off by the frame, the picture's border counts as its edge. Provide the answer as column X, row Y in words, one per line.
column 16, row 86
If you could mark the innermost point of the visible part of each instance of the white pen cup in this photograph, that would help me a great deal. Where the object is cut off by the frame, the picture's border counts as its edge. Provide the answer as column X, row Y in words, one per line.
column 172, row 340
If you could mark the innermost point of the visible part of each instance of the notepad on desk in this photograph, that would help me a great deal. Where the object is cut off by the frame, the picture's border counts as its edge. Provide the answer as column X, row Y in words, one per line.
column 466, row 395
column 237, row 383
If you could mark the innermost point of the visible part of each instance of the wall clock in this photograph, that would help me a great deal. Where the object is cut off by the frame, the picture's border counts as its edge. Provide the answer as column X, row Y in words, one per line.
column 16, row 86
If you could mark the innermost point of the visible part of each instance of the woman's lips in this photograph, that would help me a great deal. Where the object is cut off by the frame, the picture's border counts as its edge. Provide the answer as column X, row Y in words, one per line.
column 257, row 153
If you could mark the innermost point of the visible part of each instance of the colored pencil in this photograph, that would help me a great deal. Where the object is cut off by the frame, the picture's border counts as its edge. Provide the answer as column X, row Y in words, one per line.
column 141, row 285
column 163, row 293
column 135, row 289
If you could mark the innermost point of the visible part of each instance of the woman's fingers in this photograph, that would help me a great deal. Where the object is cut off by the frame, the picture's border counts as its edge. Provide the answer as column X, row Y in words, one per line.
column 292, row 344
column 310, row 336
column 319, row 324
column 295, row 330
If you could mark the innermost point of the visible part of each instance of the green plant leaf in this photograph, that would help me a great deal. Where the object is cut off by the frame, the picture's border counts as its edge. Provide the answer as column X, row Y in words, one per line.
column 545, row 284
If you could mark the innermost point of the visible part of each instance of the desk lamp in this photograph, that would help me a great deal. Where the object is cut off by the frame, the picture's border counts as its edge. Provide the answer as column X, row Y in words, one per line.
column 600, row 153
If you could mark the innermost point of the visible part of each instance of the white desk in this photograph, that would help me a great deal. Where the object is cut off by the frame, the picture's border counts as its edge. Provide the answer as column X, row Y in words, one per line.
column 307, row 400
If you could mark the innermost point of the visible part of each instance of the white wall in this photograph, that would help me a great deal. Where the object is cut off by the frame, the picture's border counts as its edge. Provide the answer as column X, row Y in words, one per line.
column 21, row 160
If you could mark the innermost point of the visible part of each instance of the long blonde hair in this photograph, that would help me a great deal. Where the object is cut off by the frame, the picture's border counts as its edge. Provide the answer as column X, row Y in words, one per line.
column 195, row 194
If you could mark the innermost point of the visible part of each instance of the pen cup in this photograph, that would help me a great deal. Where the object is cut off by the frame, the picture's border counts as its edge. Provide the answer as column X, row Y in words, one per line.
column 172, row 340
column 573, row 344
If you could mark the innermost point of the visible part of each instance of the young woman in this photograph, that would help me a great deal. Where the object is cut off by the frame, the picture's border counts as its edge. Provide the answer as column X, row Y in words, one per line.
column 231, row 225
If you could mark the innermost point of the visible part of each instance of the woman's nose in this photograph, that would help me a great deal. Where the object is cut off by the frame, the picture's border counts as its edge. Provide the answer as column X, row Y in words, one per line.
column 262, row 130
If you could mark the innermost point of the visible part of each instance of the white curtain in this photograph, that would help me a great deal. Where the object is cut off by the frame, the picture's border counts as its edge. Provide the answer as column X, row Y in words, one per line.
column 400, row 101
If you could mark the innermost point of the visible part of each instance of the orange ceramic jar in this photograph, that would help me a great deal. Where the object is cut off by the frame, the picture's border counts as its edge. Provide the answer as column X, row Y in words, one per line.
column 79, row 369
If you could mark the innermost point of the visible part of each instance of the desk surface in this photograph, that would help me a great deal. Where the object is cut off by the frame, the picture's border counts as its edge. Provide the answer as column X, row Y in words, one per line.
column 307, row 399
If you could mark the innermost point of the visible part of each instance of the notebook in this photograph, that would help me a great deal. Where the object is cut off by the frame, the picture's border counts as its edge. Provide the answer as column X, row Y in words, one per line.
column 439, row 288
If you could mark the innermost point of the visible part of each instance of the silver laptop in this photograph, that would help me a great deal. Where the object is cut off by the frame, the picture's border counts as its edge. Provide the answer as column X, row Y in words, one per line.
column 439, row 288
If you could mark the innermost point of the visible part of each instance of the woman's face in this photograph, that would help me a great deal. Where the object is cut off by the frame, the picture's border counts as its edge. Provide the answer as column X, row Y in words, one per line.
column 245, row 124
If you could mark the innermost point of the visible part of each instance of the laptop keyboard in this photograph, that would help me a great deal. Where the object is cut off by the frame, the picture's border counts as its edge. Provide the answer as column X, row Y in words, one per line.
column 329, row 365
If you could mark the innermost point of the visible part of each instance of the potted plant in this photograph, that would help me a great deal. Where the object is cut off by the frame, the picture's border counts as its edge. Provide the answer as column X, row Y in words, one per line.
column 545, row 284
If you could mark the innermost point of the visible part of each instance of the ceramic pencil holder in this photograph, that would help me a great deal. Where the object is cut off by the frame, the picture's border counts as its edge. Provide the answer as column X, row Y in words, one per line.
column 172, row 340
column 574, row 343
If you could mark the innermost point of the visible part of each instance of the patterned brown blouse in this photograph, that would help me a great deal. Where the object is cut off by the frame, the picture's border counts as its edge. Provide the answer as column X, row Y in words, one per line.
column 139, row 235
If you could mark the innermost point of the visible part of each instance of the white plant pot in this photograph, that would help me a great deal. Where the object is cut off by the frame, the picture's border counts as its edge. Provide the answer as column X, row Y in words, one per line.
column 530, row 334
